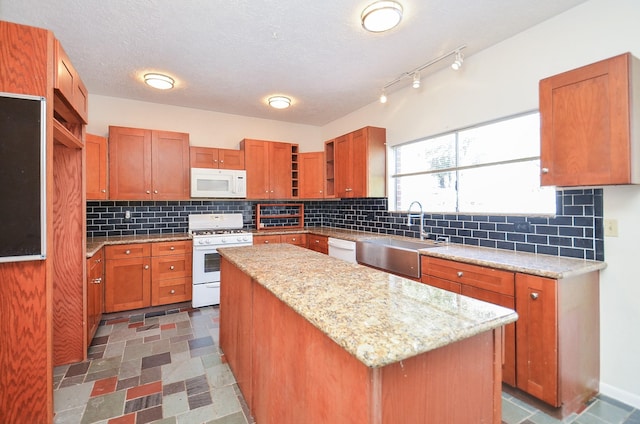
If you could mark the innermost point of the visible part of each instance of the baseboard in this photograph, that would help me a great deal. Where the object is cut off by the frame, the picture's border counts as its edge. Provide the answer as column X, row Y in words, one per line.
column 623, row 396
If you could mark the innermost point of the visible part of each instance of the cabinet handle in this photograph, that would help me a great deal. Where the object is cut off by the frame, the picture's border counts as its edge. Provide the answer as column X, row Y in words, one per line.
column 293, row 239
column 172, row 248
column 266, row 242
column 460, row 274
column 148, row 192
column 104, row 190
column 222, row 161
column 127, row 252
column 98, row 261
column 155, row 191
column 146, row 267
column 172, row 267
column 215, row 161
column 545, row 170
column 172, row 292
column 534, row 296
column 97, row 280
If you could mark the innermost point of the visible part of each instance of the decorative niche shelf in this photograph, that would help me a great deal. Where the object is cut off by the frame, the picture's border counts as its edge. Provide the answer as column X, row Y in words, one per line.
column 277, row 216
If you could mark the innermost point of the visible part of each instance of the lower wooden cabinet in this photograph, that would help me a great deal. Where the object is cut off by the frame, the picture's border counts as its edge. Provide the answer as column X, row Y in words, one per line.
column 553, row 351
column 95, row 293
column 482, row 283
column 147, row 274
column 318, row 243
column 299, row 239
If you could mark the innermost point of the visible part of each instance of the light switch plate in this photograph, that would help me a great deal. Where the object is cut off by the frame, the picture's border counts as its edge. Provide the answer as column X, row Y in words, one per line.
column 611, row 228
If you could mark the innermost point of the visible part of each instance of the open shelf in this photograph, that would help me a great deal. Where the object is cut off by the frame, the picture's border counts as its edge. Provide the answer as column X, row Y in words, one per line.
column 277, row 216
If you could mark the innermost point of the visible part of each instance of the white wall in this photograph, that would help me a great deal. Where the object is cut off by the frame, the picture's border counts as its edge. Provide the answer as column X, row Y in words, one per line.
column 497, row 82
column 205, row 128
column 503, row 80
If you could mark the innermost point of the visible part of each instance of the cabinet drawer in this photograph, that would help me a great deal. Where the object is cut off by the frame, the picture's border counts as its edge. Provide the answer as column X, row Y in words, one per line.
column 297, row 239
column 451, row 286
column 318, row 243
column 121, row 251
column 165, row 267
column 179, row 247
column 171, row 291
column 268, row 239
column 472, row 275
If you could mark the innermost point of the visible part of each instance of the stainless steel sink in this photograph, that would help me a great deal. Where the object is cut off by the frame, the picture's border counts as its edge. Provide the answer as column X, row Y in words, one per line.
column 393, row 255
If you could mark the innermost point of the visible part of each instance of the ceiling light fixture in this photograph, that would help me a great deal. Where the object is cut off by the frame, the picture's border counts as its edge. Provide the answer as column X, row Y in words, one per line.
column 416, row 80
column 457, row 63
column 279, row 102
column 381, row 16
column 159, row 81
column 415, row 73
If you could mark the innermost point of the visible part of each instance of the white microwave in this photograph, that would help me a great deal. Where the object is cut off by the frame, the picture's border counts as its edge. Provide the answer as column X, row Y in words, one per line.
column 224, row 183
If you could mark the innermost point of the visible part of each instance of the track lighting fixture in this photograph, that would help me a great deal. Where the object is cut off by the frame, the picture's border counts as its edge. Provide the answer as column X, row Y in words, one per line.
column 457, row 63
column 416, row 80
column 414, row 74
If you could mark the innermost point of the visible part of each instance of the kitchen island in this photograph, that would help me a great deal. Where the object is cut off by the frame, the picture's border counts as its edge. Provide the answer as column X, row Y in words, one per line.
column 314, row 339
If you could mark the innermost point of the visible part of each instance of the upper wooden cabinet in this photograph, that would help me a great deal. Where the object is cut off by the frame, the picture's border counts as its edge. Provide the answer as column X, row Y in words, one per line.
column 356, row 164
column 148, row 164
column 209, row 157
column 96, row 151
column 69, row 87
column 311, row 175
column 269, row 168
column 586, row 121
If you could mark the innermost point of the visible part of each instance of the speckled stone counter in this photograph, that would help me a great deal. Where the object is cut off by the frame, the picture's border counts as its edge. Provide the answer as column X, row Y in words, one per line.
column 377, row 317
column 96, row 243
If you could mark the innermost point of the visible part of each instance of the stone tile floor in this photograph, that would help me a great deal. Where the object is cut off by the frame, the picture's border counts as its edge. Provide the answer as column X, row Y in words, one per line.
column 164, row 365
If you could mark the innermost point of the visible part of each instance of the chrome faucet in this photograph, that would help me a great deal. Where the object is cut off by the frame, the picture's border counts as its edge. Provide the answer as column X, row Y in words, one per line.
column 420, row 215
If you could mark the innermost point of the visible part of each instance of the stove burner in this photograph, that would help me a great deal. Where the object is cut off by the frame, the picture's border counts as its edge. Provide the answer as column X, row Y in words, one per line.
column 213, row 232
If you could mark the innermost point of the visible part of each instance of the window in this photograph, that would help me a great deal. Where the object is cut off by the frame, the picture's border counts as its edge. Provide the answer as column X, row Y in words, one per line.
column 492, row 168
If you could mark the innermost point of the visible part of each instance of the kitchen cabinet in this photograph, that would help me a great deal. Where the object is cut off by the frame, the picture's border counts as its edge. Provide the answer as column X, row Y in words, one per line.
column 586, row 119
column 127, row 277
column 171, row 272
column 148, row 164
column 558, row 338
column 299, row 239
column 482, row 283
column 209, row 157
column 318, row 243
column 95, row 293
column 269, row 168
column 69, row 88
column 356, row 164
column 311, row 175
column 147, row 274
column 96, row 158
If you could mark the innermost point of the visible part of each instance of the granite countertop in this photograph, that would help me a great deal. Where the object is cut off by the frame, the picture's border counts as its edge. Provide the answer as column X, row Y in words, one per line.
column 377, row 317
column 96, row 243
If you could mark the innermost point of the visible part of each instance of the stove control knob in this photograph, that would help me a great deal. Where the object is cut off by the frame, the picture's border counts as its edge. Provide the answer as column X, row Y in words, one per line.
column 223, row 240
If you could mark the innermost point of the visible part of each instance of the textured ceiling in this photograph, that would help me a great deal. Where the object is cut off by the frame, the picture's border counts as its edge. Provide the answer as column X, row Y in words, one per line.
column 229, row 56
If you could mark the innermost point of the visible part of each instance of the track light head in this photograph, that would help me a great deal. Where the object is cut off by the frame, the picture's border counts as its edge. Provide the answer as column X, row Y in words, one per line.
column 416, row 80
column 383, row 97
column 457, row 63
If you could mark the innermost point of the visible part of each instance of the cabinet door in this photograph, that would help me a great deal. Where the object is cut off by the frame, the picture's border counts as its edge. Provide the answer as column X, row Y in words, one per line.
column 95, row 293
column 128, row 284
column 342, row 166
column 537, row 337
column 585, row 130
column 129, row 163
column 318, row 243
column 311, row 175
column 231, row 159
column 279, row 170
column 67, row 82
column 96, row 151
column 297, row 239
column 170, row 165
column 203, row 157
column 256, row 159
column 359, row 156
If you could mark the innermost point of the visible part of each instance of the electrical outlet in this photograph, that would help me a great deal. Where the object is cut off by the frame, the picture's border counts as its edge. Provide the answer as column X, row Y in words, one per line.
column 611, row 228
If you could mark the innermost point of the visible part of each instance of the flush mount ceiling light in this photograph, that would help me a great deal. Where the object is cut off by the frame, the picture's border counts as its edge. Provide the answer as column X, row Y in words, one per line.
column 279, row 102
column 457, row 63
column 159, row 81
column 414, row 74
column 381, row 16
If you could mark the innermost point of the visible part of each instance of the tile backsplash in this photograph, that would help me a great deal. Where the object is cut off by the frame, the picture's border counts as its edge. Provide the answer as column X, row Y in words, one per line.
column 575, row 231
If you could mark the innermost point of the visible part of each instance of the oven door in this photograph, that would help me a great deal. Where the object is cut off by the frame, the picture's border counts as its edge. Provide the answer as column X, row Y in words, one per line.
column 206, row 265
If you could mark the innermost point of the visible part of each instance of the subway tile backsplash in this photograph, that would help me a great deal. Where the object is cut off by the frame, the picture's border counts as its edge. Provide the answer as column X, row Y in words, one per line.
column 575, row 231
